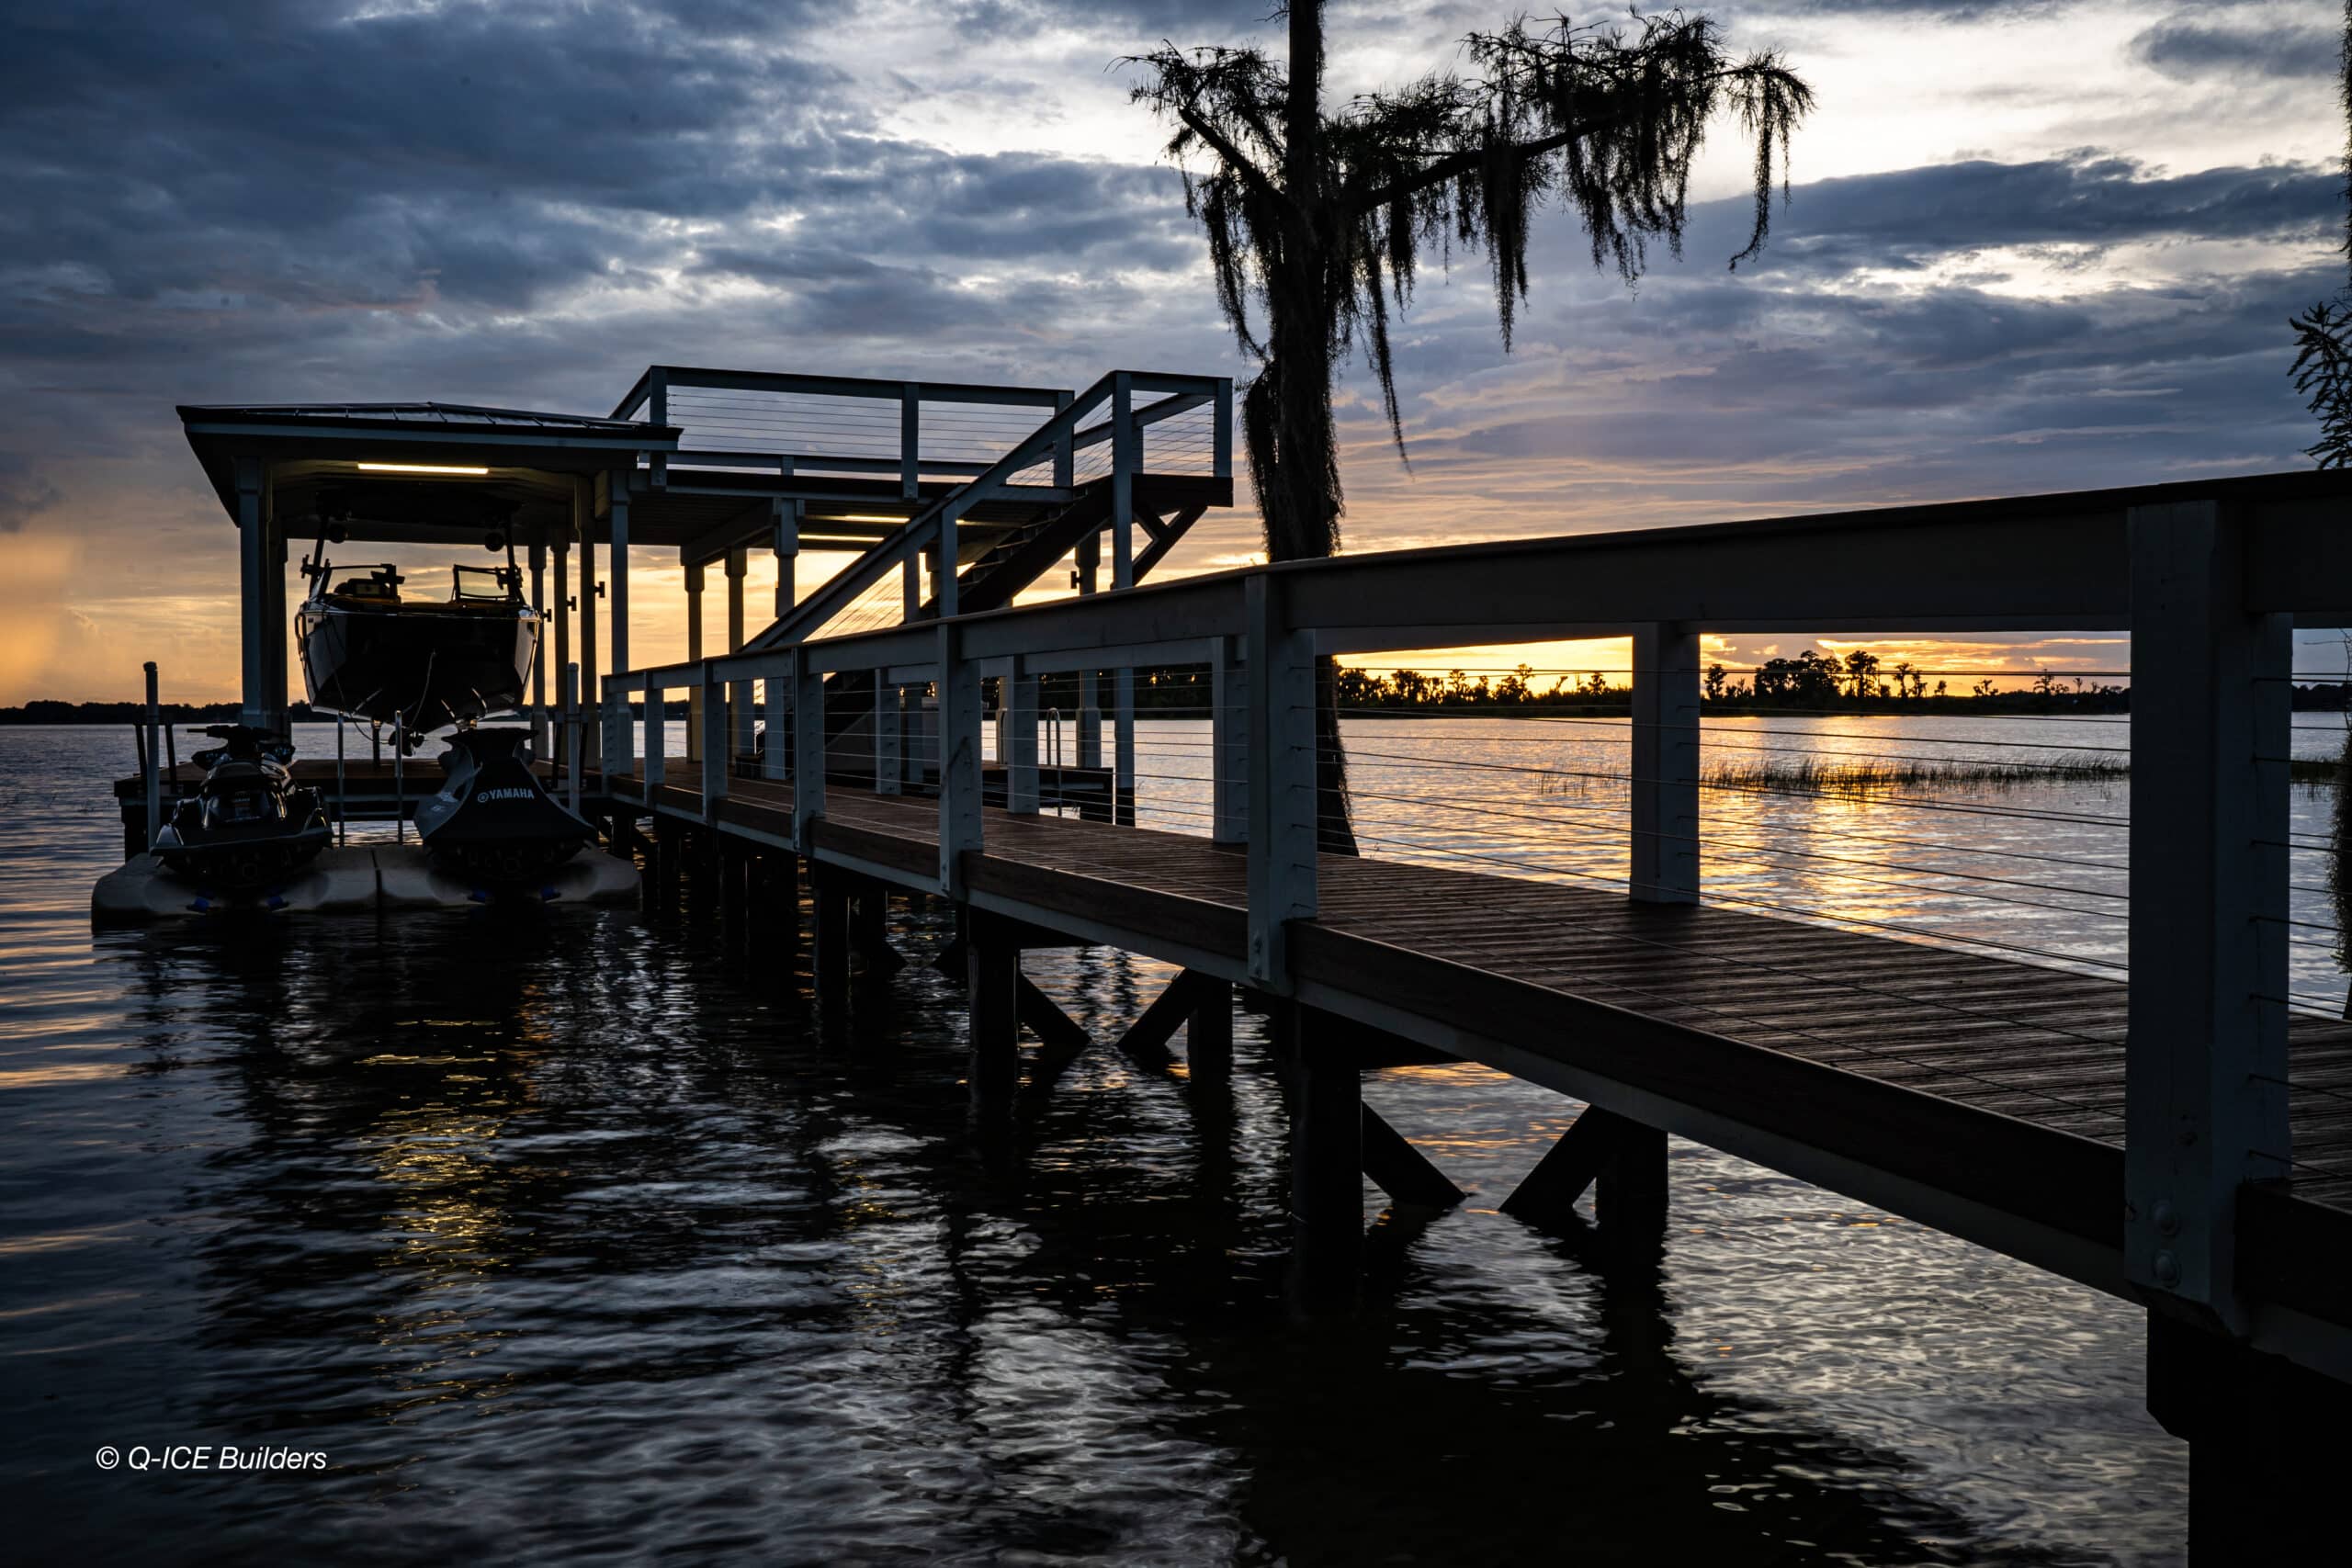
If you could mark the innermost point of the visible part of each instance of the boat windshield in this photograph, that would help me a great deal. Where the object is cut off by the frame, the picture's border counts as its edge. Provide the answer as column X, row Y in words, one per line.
column 485, row 585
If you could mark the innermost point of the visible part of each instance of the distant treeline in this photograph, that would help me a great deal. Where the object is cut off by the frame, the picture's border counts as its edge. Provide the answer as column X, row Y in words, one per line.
column 136, row 713
column 1858, row 683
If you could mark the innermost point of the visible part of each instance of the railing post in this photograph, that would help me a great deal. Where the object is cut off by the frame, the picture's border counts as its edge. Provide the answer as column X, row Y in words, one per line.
column 1089, row 713
column 944, row 584
column 718, row 752
column 570, row 734
column 739, row 697
column 695, row 696
column 910, row 441
column 784, row 518
column 2205, row 1073
column 889, row 738
column 153, row 764
column 1127, row 458
column 1665, row 738
column 1020, row 702
column 592, row 691
column 959, row 759
column 776, row 762
column 1228, row 744
column 1222, row 438
column 612, row 713
column 656, row 737
column 1281, row 683
column 808, row 749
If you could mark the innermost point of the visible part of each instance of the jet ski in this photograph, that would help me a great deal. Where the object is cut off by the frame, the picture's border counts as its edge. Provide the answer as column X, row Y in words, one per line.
column 248, row 822
column 372, row 651
column 490, row 820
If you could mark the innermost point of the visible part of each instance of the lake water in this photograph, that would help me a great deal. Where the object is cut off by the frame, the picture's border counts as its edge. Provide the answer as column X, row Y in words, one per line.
column 558, row 1238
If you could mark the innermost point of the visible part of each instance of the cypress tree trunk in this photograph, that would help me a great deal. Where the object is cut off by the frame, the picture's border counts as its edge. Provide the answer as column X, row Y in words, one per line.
column 1292, row 444
column 2339, row 876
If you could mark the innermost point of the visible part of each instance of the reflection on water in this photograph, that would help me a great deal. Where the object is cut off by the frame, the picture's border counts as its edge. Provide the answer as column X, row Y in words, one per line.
column 557, row 1236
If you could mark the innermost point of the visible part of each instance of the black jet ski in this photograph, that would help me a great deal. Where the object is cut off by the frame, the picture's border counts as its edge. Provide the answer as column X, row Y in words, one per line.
column 373, row 651
column 490, row 820
column 248, row 822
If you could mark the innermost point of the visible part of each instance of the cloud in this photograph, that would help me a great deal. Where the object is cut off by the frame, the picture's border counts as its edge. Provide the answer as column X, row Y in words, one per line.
column 2188, row 45
column 1904, row 218
column 22, row 493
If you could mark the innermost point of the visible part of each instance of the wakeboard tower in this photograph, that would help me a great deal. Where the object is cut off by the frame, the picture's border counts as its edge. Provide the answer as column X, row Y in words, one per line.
column 371, row 651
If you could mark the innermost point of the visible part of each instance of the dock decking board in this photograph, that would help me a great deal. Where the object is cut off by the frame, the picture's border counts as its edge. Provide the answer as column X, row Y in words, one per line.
column 1997, row 1081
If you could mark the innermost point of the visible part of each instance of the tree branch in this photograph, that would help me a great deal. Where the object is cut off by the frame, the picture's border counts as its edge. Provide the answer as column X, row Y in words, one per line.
column 1224, row 148
column 1455, row 163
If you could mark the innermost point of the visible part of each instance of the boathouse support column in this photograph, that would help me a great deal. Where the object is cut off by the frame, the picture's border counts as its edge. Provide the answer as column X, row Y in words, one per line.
column 1665, row 741
column 2205, row 1061
column 560, row 614
column 740, row 730
column 253, row 567
column 582, row 527
column 274, row 584
column 785, row 524
column 539, row 650
column 617, row 723
column 695, row 700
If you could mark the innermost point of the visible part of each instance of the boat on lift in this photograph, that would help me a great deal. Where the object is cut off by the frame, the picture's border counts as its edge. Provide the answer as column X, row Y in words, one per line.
column 248, row 823
column 371, row 650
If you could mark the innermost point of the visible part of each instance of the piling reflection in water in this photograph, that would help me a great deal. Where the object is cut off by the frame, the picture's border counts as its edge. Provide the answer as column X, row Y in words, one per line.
column 555, row 1236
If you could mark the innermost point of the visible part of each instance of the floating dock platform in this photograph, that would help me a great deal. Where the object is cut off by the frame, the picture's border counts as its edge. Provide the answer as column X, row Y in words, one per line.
column 351, row 879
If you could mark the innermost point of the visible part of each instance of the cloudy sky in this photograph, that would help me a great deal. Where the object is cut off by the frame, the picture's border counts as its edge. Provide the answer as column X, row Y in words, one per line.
column 2032, row 246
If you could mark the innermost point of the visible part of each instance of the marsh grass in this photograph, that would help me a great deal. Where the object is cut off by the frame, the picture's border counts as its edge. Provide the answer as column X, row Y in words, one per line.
column 1860, row 777
column 1871, row 775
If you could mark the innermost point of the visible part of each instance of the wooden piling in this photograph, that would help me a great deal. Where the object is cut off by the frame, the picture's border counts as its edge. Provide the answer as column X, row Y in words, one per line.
column 1327, row 1165
column 1626, row 1158
column 992, row 994
column 831, row 893
column 1208, row 1030
column 2261, row 1479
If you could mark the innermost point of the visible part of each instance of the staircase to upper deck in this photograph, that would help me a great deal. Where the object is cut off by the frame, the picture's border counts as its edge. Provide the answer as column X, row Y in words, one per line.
column 1155, row 448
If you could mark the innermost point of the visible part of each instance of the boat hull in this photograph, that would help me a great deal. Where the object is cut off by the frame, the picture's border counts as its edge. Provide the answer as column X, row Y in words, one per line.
column 425, row 668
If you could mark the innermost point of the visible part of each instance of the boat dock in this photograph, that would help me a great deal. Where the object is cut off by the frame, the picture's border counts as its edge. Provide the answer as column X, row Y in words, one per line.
column 2177, row 1135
